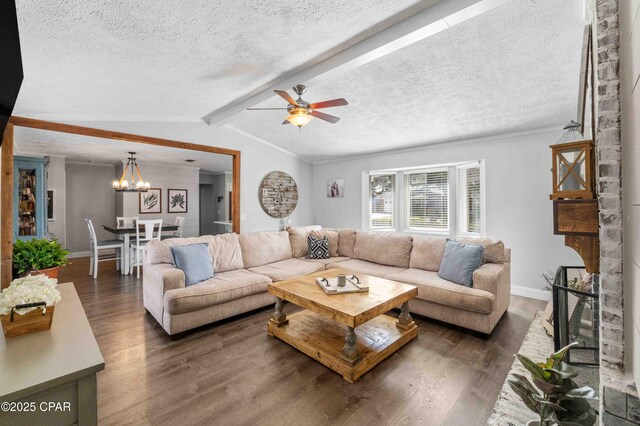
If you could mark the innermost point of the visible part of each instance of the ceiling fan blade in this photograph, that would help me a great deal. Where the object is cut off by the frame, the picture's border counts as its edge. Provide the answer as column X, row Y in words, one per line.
column 286, row 97
column 326, row 117
column 329, row 104
column 286, row 122
column 264, row 109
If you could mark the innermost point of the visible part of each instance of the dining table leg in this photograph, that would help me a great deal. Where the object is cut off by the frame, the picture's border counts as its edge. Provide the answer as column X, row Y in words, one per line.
column 125, row 271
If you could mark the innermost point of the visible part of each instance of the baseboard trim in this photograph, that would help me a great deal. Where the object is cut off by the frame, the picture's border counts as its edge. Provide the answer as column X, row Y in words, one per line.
column 79, row 254
column 533, row 293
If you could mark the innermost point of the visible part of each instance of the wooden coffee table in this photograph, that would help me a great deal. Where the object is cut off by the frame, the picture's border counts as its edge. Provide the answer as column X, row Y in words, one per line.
column 346, row 332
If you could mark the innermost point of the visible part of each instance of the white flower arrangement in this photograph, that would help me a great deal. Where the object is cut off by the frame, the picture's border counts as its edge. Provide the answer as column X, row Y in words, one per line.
column 30, row 289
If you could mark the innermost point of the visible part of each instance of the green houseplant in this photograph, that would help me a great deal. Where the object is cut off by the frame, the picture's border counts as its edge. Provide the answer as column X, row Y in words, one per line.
column 39, row 256
column 555, row 397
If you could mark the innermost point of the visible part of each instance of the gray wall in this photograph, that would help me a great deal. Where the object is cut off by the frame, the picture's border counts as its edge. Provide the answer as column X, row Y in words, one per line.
column 518, row 209
column 207, row 209
column 166, row 177
column 90, row 196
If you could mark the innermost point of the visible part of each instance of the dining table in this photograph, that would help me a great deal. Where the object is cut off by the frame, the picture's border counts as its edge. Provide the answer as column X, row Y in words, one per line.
column 124, row 232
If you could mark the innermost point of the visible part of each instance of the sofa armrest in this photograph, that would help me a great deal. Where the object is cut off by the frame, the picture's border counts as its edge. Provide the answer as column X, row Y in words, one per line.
column 494, row 278
column 156, row 281
column 163, row 275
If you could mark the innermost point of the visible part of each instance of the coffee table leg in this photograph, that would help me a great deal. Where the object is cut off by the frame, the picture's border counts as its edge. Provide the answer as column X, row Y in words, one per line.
column 350, row 352
column 404, row 320
column 279, row 318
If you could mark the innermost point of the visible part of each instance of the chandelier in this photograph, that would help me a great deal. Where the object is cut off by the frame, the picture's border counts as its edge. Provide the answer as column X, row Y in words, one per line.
column 123, row 185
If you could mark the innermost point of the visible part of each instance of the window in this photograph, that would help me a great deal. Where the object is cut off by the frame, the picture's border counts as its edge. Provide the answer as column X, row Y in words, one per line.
column 428, row 200
column 447, row 199
column 381, row 189
column 469, row 205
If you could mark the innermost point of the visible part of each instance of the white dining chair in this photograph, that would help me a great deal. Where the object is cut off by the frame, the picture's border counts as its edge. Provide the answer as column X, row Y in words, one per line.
column 152, row 230
column 178, row 232
column 95, row 247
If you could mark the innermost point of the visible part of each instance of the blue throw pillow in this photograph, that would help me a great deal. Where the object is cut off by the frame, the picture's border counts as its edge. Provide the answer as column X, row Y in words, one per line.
column 195, row 261
column 459, row 262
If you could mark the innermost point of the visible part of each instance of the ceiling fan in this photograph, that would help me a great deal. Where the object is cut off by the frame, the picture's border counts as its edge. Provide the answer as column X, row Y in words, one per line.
column 302, row 112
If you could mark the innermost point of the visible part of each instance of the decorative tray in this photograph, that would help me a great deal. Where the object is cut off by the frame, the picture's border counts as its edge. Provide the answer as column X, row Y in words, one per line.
column 353, row 285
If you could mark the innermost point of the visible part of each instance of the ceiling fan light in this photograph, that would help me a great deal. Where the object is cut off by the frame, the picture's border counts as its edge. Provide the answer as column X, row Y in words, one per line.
column 299, row 119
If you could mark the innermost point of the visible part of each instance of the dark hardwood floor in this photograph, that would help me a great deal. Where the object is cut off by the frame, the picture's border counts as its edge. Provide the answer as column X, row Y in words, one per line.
column 233, row 373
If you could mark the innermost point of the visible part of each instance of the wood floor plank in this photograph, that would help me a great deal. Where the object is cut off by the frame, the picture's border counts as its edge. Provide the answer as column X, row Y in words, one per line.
column 232, row 372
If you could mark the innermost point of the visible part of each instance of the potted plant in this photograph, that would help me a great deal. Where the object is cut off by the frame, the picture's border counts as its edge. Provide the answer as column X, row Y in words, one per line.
column 555, row 397
column 37, row 257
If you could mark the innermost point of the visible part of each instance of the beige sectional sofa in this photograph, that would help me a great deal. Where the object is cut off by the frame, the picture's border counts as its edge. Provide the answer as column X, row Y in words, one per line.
column 245, row 264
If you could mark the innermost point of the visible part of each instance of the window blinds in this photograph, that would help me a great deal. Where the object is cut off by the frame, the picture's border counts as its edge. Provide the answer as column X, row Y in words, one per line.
column 381, row 213
column 428, row 200
column 469, row 198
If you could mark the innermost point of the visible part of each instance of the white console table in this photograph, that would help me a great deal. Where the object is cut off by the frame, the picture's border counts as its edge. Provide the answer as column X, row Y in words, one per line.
column 55, row 366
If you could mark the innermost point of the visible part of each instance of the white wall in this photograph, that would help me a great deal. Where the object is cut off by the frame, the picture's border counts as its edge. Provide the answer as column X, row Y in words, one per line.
column 56, row 180
column 518, row 209
column 89, row 196
column 165, row 177
column 630, row 88
column 258, row 159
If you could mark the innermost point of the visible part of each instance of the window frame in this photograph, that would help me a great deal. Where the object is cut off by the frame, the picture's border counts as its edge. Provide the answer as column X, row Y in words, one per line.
column 394, row 202
column 461, row 203
column 401, row 201
column 407, row 200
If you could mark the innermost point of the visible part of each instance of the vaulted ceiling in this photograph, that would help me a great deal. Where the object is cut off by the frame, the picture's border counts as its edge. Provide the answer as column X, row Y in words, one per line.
column 514, row 67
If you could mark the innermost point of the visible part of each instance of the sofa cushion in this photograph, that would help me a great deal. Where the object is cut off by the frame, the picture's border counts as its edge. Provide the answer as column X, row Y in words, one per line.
column 493, row 250
column 346, row 242
column 384, row 248
column 223, row 287
column 427, row 253
column 332, row 236
column 226, row 252
column 195, row 261
column 285, row 269
column 364, row 267
column 224, row 249
column 435, row 289
column 329, row 260
column 298, row 239
column 460, row 261
column 318, row 247
column 160, row 251
column 260, row 248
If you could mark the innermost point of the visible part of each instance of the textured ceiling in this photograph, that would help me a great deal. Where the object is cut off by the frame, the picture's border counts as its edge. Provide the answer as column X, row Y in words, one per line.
column 178, row 60
column 108, row 151
column 513, row 68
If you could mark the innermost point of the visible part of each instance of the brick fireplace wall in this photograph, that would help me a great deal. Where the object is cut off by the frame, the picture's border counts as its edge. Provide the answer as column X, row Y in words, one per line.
column 619, row 403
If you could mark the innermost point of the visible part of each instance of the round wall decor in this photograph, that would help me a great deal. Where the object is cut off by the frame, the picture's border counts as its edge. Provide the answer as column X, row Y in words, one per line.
column 278, row 194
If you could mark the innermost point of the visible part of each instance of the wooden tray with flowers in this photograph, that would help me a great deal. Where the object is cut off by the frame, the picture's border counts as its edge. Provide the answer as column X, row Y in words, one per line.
column 15, row 324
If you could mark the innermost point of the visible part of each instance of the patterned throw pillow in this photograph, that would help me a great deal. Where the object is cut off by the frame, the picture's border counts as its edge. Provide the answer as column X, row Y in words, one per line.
column 318, row 247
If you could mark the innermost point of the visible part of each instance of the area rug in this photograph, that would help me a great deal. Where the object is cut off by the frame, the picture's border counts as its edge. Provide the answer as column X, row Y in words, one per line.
column 509, row 408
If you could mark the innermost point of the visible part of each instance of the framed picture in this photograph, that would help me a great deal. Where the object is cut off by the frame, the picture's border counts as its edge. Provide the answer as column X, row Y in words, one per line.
column 335, row 188
column 51, row 206
column 150, row 201
column 177, row 201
